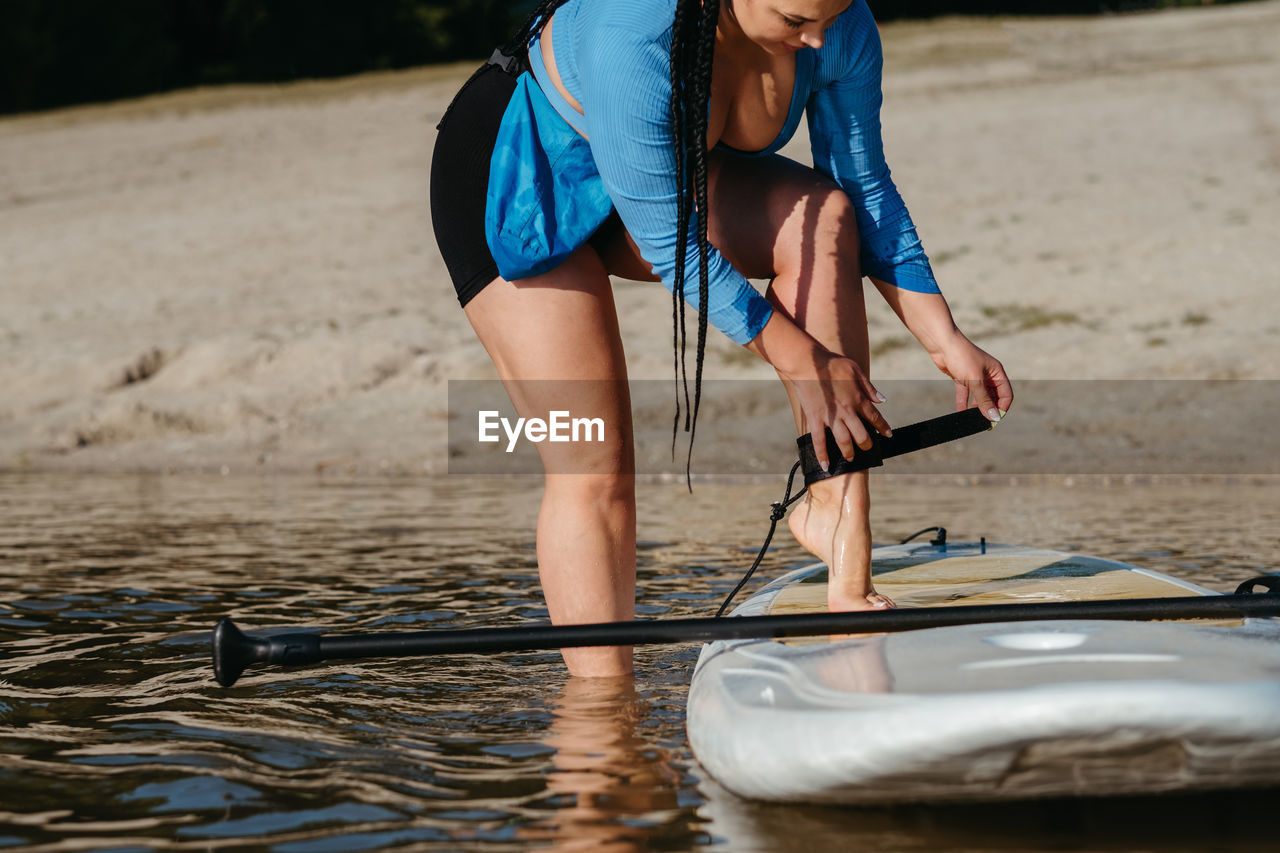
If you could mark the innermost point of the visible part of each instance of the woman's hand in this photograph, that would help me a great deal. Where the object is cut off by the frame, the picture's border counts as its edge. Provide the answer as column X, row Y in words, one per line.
column 979, row 377
column 835, row 393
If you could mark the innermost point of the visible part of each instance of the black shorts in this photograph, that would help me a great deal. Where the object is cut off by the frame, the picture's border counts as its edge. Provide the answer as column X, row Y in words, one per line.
column 460, row 179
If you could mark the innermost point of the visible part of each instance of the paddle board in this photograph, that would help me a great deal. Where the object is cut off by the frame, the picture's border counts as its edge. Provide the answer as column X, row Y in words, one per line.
column 995, row 711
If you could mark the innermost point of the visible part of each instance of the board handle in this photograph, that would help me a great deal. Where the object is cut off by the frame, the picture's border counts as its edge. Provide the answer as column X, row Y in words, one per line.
column 1270, row 585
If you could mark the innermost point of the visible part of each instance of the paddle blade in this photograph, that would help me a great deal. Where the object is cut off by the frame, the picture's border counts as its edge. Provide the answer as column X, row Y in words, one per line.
column 233, row 650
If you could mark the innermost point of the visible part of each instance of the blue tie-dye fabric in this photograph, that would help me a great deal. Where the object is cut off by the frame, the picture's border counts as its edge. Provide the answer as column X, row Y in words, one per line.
column 545, row 195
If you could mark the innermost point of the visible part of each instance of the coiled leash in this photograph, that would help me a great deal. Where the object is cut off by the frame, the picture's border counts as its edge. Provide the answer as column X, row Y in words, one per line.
column 905, row 439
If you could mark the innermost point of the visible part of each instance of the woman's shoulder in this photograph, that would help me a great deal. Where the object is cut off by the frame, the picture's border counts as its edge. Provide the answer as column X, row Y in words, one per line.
column 642, row 19
column 852, row 44
column 614, row 49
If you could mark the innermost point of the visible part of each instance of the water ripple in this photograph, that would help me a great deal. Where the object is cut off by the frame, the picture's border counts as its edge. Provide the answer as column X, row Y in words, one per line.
column 114, row 735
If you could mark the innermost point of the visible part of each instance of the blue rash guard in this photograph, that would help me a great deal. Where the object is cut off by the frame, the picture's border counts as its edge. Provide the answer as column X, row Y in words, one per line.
column 550, row 187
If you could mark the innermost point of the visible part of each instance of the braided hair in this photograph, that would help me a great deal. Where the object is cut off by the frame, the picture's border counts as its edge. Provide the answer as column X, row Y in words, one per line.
column 693, row 40
column 532, row 25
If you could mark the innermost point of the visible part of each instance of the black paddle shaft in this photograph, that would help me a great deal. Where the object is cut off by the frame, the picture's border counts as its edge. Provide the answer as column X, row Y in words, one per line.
column 234, row 650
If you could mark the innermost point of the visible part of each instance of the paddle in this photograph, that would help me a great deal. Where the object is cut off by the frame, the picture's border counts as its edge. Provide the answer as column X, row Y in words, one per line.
column 234, row 650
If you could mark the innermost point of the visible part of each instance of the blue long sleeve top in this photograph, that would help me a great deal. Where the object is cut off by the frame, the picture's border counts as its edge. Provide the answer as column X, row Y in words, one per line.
column 613, row 58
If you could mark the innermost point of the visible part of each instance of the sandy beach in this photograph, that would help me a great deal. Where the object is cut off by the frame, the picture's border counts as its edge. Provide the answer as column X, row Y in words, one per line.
column 245, row 279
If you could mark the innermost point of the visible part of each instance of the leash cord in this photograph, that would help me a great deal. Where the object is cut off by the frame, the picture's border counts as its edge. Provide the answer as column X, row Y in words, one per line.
column 776, row 514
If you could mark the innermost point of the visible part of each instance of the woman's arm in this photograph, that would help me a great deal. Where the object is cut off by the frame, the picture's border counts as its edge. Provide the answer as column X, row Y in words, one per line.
column 844, row 134
column 978, row 376
column 833, row 391
column 844, row 128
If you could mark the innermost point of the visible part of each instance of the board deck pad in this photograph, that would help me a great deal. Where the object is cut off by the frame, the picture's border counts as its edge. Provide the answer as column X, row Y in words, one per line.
column 993, row 578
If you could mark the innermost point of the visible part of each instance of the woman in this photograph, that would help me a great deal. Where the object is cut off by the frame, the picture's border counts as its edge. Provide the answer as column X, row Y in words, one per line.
column 641, row 144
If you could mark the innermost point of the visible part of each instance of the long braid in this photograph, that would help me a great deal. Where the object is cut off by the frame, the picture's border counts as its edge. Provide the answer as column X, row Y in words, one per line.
column 692, row 56
column 532, row 26
column 702, row 97
column 681, row 40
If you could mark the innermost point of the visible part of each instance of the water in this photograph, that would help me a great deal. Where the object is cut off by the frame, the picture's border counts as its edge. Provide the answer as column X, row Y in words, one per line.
column 113, row 734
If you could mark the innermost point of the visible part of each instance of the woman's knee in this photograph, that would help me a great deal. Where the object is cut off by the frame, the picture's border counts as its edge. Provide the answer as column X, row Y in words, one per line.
column 602, row 452
column 778, row 217
column 824, row 234
column 606, row 494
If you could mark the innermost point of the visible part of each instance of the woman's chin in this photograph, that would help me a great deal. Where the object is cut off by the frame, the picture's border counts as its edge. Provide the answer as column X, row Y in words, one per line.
column 779, row 48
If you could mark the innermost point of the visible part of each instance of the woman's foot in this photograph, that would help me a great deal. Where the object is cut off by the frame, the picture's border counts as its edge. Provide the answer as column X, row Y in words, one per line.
column 831, row 524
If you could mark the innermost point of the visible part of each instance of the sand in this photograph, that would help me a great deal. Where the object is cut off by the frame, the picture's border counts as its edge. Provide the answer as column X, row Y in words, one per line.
column 245, row 278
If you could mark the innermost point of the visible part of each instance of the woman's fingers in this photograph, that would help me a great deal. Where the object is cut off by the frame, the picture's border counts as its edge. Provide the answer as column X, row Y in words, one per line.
column 1004, row 390
column 819, row 436
column 850, row 434
column 859, row 434
column 978, row 377
column 860, row 404
column 869, row 412
column 846, row 439
column 993, row 392
column 844, row 403
column 982, row 399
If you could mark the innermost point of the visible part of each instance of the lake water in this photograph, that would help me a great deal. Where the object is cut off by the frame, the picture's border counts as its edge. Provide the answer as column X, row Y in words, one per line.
column 113, row 734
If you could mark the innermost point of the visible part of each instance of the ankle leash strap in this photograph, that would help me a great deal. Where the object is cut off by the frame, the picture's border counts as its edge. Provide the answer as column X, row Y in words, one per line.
column 905, row 439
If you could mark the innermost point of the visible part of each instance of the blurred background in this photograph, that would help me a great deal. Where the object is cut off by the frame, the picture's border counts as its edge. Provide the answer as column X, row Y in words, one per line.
column 81, row 51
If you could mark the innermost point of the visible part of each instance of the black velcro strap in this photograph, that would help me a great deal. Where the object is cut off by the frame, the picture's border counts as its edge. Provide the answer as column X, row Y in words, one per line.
column 905, row 439
column 861, row 461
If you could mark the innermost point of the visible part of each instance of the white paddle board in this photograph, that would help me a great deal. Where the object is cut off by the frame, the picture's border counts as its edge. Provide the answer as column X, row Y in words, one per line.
column 989, row 711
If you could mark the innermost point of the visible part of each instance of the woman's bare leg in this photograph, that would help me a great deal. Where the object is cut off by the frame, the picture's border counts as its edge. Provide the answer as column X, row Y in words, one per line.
column 787, row 222
column 555, row 341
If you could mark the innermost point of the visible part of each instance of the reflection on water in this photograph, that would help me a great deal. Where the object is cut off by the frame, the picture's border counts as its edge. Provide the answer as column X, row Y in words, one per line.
column 618, row 790
column 113, row 733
